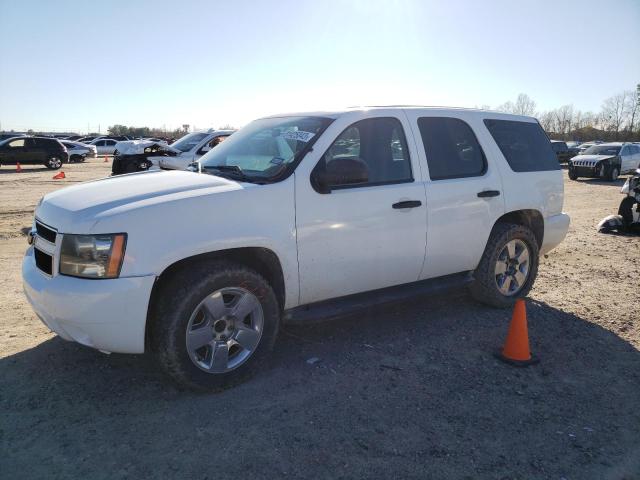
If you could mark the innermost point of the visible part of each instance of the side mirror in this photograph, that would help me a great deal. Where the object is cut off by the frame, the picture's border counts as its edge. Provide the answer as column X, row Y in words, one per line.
column 339, row 172
column 205, row 149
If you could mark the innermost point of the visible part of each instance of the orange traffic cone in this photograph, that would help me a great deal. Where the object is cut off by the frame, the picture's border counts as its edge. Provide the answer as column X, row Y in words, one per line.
column 105, row 159
column 59, row 176
column 516, row 348
column 18, row 167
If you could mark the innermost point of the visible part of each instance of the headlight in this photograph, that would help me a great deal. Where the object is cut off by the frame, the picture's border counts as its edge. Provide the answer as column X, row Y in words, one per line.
column 92, row 256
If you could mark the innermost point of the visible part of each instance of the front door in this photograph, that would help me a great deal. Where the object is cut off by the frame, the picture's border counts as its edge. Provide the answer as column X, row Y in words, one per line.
column 366, row 236
column 464, row 193
column 15, row 151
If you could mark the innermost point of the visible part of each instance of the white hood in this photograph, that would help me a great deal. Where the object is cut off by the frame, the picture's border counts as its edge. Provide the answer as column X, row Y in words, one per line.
column 589, row 159
column 133, row 147
column 78, row 208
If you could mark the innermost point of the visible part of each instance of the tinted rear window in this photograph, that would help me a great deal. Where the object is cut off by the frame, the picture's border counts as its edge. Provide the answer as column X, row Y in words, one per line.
column 524, row 144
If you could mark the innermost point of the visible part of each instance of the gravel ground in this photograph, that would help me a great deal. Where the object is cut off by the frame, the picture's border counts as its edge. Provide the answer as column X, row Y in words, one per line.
column 409, row 391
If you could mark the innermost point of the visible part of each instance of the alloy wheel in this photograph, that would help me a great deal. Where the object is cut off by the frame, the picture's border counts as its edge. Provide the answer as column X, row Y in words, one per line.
column 512, row 267
column 224, row 330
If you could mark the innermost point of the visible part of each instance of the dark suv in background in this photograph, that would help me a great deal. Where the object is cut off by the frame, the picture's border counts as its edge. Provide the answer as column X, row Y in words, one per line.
column 39, row 150
column 562, row 151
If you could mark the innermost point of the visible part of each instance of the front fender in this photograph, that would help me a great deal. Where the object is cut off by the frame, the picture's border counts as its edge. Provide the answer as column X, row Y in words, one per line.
column 161, row 234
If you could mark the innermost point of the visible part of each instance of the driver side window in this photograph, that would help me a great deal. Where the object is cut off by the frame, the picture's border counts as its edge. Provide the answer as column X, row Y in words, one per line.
column 377, row 143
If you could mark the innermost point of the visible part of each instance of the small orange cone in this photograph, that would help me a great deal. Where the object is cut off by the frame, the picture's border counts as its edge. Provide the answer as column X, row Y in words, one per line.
column 516, row 348
column 18, row 167
column 105, row 159
column 59, row 176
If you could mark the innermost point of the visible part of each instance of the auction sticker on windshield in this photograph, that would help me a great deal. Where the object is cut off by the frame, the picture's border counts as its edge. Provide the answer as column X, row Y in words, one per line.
column 298, row 135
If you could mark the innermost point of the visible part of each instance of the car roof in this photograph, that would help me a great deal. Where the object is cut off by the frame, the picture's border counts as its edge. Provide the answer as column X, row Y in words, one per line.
column 433, row 109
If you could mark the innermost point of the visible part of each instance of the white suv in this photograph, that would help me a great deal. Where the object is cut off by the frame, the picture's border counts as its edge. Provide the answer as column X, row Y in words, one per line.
column 295, row 216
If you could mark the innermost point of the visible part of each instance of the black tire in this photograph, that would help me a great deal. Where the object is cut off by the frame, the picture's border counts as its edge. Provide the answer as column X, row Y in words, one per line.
column 614, row 172
column 572, row 174
column 484, row 287
column 626, row 210
column 180, row 295
column 53, row 162
column 76, row 158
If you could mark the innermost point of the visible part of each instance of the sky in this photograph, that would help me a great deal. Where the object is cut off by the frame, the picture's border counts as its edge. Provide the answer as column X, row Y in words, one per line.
column 83, row 65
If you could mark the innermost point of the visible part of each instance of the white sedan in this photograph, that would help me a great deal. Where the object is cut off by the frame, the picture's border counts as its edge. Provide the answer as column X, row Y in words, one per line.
column 78, row 152
column 105, row 146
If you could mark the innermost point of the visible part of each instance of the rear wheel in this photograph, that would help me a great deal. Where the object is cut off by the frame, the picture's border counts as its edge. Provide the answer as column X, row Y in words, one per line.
column 214, row 325
column 54, row 162
column 508, row 266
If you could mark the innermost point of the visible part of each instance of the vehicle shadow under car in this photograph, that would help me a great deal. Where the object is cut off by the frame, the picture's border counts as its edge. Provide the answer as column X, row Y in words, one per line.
column 403, row 391
column 597, row 181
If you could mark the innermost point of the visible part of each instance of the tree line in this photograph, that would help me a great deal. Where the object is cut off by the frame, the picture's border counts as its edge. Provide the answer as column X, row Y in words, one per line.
column 154, row 132
column 617, row 120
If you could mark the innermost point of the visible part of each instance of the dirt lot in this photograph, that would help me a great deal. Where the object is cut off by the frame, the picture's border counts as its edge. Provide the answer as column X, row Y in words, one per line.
column 408, row 391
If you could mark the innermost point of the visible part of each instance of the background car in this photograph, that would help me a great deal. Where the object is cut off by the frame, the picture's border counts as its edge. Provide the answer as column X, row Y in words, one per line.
column 78, row 152
column 192, row 146
column 104, row 146
column 33, row 150
column 605, row 161
column 5, row 136
column 562, row 151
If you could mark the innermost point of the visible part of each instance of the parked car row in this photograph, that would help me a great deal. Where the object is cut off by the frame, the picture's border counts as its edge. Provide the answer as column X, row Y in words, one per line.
column 131, row 156
column 605, row 161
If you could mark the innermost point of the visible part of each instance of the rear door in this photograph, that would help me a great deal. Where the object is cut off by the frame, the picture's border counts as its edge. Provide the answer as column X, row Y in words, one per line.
column 463, row 189
column 36, row 150
column 109, row 146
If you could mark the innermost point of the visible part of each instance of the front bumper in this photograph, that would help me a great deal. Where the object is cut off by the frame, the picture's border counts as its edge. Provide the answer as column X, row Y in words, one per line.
column 584, row 171
column 555, row 230
column 109, row 315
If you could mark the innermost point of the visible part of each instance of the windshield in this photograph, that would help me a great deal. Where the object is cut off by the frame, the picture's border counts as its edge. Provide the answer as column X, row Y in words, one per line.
column 265, row 148
column 602, row 150
column 189, row 141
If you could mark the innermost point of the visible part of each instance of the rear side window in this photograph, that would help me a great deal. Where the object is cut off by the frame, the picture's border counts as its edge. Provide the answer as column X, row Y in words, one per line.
column 452, row 148
column 524, row 144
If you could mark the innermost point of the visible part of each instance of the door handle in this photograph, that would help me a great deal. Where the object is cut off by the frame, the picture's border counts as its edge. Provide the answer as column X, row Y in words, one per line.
column 407, row 204
column 488, row 193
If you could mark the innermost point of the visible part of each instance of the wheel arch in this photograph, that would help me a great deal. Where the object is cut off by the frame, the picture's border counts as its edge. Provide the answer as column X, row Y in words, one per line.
column 530, row 218
column 262, row 260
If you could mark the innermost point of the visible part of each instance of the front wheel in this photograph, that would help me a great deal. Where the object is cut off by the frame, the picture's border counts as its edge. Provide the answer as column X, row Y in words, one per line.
column 572, row 174
column 508, row 266
column 214, row 325
column 54, row 162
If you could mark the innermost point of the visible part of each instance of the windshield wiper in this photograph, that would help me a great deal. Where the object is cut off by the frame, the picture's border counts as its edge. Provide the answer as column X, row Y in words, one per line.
column 234, row 172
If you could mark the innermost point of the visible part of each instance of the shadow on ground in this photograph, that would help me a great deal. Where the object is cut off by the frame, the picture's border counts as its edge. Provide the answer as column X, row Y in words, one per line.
column 596, row 181
column 406, row 391
column 8, row 168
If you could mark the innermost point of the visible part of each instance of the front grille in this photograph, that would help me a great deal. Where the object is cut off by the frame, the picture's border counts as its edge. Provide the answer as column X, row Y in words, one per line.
column 45, row 232
column 584, row 163
column 44, row 261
